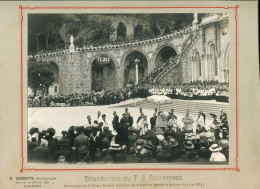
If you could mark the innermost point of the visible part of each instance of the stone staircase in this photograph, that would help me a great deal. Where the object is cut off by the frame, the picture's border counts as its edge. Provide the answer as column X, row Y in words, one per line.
column 171, row 67
column 180, row 106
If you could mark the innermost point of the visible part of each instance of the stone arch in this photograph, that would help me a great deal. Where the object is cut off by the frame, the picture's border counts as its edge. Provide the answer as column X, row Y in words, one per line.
column 130, row 69
column 103, row 53
column 55, row 68
column 103, row 72
column 138, row 29
column 55, row 88
column 121, row 30
column 197, row 65
column 132, row 50
column 159, row 49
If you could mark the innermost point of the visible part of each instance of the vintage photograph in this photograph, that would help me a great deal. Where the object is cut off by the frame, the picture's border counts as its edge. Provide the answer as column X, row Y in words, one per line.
column 128, row 88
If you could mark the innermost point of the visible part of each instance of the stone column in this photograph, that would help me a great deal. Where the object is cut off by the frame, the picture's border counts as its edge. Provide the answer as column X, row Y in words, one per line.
column 136, row 73
column 192, row 69
column 207, row 65
column 129, row 31
column 220, row 73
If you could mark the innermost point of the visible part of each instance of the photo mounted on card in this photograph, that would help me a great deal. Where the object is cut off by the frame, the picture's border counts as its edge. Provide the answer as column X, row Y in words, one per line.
column 126, row 89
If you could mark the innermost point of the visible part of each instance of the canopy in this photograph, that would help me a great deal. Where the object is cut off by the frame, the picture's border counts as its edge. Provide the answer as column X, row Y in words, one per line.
column 159, row 99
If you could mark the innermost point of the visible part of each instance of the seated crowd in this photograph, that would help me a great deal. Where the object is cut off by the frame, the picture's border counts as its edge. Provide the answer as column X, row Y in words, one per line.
column 206, row 90
column 134, row 142
column 197, row 90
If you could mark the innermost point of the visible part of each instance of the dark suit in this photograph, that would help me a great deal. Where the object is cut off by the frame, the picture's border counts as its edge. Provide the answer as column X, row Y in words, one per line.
column 81, row 143
column 130, row 120
column 115, row 121
column 153, row 122
column 41, row 154
column 31, row 146
column 163, row 156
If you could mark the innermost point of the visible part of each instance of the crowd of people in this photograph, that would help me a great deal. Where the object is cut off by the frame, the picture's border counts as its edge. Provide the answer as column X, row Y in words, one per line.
column 159, row 139
column 198, row 90
column 149, row 79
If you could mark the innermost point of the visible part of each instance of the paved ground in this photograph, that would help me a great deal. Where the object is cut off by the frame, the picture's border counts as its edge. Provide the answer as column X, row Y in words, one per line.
column 61, row 118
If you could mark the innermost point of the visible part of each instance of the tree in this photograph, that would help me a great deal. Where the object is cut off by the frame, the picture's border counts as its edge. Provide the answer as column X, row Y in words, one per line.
column 40, row 76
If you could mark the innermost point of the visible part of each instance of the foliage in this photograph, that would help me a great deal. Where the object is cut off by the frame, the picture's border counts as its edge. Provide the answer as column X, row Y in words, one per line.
column 48, row 32
column 40, row 75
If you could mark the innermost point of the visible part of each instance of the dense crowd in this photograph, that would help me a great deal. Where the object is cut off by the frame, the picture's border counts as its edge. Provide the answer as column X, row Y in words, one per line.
column 206, row 90
column 149, row 79
column 159, row 139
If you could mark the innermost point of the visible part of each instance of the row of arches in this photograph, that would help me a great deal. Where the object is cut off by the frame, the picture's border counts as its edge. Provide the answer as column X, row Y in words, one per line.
column 121, row 31
column 135, row 68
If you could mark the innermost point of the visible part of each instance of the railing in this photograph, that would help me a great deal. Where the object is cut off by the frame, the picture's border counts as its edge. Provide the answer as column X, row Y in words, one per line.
column 186, row 48
column 115, row 46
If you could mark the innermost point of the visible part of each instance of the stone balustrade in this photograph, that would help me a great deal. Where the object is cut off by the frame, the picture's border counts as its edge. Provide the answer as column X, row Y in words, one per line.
column 115, row 46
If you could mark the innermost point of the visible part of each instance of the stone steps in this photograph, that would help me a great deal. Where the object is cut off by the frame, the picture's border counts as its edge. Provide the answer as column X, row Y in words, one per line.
column 180, row 107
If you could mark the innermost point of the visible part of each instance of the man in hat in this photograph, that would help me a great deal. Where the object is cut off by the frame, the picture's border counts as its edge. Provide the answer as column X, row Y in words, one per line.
column 188, row 145
column 115, row 120
column 216, row 155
